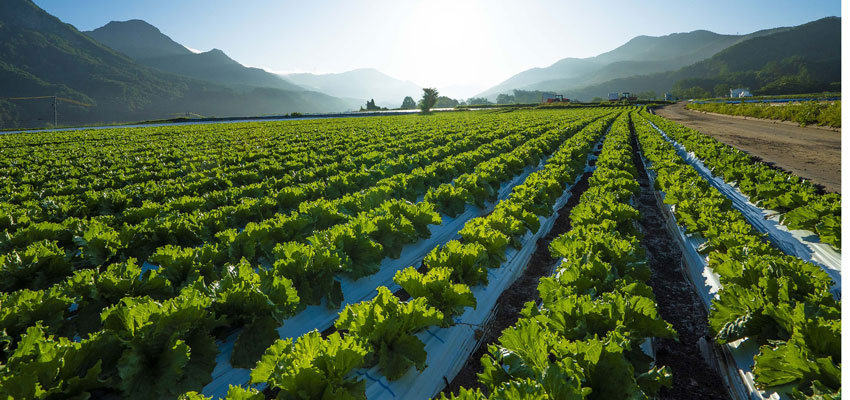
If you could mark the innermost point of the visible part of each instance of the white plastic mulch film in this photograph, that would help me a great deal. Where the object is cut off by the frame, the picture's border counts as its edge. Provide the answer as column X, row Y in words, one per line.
column 320, row 317
column 449, row 348
column 799, row 243
column 736, row 359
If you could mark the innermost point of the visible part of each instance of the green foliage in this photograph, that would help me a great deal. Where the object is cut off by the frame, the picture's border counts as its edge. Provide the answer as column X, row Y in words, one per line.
column 166, row 348
column 240, row 228
column 41, row 264
column 777, row 301
column 43, row 367
column 24, row 308
column 467, row 262
column 370, row 106
column 474, row 101
column 446, row 102
column 311, row 269
column 313, row 367
column 803, row 113
column 408, row 103
column 387, row 325
column 258, row 302
column 429, row 99
column 437, row 288
column 93, row 291
column 503, row 98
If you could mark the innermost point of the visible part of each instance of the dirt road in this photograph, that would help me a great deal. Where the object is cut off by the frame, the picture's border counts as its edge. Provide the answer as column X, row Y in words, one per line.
column 810, row 153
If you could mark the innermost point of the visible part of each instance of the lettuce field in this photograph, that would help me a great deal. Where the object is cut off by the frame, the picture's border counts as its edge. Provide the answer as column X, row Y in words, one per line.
column 357, row 258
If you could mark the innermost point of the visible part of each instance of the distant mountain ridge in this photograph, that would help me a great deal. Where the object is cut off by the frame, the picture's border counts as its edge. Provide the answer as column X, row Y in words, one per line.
column 137, row 39
column 800, row 59
column 145, row 43
column 640, row 55
column 359, row 85
column 42, row 56
column 130, row 71
column 149, row 46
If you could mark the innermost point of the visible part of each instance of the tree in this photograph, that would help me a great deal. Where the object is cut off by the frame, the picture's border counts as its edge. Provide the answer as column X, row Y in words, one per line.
column 694, row 92
column 478, row 100
column 528, row 96
column 504, row 99
column 370, row 105
column 429, row 98
column 408, row 103
column 446, row 102
column 647, row 95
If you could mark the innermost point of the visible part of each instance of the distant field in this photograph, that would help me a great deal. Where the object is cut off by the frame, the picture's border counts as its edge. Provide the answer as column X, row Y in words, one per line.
column 803, row 113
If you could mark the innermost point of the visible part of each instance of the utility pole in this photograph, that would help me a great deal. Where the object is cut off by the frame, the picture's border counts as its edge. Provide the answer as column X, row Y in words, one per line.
column 56, row 100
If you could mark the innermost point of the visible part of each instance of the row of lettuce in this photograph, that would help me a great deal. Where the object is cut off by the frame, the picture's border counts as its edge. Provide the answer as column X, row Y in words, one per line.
column 318, row 203
column 583, row 339
column 150, row 334
column 154, row 336
column 801, row 205
column 778, row 301
column 354, row 247
column 381, row 332
column 84, row 171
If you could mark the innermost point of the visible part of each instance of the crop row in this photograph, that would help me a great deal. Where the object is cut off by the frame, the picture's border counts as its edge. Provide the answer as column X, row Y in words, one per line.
column 320, row 170
column 780, row 302
column 798, row 200
column 115, row 159
column 382, row 331
column 584, row 339
column 174, row 314
column 49, row 251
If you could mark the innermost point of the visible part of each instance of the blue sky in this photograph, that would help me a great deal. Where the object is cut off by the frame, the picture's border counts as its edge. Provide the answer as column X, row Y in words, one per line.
column 459, row 46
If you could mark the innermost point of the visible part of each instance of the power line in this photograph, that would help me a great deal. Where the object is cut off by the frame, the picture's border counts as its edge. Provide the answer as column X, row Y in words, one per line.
column 56, row 100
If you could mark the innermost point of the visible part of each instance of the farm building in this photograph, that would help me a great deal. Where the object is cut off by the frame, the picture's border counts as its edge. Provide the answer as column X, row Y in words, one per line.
column 740, row 93
column 613, row 96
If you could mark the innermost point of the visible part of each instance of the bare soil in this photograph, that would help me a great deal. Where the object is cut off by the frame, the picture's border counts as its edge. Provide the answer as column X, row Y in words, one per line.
column 813, row 154
column 677, row 303
column 512, row 300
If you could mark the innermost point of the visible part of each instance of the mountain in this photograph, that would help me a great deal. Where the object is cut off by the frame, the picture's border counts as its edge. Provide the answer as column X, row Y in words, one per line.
column 42, row 56
column 567, row 68
column 801, row 59
column 144, row 43
column 360, row 85
column 640, row 55
column 137, row 39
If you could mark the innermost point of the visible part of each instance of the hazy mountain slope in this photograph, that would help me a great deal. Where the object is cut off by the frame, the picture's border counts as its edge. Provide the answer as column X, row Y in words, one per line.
column 566, row 69
column 137, row 39
column 43, row 56
column 696, row 44
column 640, row 55
column 148, row 46
column 789, row 60
column 363, row 84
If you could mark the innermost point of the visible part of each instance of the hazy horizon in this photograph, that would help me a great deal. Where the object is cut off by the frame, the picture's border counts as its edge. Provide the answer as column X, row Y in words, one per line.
column 470, row 46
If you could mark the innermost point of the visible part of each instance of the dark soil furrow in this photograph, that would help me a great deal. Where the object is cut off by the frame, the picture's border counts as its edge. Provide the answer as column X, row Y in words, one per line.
column 678, row 304
column 512, row 300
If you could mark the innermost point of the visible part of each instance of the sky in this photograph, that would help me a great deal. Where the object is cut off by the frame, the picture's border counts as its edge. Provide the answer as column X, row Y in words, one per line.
column 460, row 47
